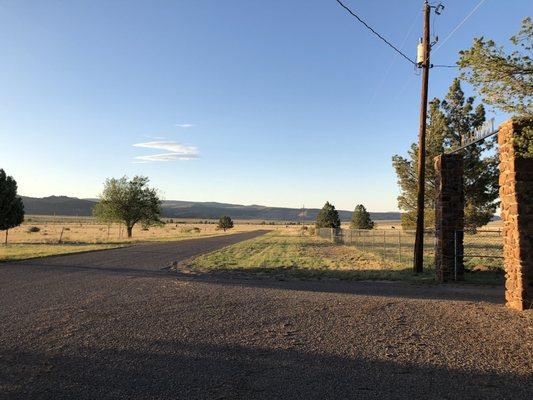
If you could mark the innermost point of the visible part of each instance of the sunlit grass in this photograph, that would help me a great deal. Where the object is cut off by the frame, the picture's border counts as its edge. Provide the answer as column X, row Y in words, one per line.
column 13, row 252
column 297, row 256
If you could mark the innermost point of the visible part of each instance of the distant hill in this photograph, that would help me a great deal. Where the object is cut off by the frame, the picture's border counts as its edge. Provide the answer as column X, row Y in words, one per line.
column 72, row 206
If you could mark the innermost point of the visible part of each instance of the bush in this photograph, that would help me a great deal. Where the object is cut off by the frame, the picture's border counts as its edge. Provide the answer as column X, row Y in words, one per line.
column 33, row 229
column 312, row 231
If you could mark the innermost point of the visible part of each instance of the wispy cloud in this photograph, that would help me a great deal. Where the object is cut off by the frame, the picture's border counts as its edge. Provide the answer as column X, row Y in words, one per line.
column 175, row 151
column 185, row 126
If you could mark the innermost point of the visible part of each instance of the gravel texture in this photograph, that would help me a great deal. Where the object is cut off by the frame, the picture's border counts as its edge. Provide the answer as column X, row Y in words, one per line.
column 113, row 325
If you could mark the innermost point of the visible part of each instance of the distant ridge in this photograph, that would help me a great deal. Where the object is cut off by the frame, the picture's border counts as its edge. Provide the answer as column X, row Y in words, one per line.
column 72, row 206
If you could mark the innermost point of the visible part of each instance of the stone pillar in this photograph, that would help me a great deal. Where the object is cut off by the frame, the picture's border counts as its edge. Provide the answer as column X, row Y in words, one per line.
column 449, row 217
column 516, row 195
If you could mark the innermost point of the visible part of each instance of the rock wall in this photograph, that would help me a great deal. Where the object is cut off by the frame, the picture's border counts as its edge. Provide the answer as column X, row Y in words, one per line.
column 449, row 217
column 516, row 195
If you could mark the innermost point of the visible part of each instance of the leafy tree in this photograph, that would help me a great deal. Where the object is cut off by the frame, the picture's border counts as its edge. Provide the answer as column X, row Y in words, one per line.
column 504, row 81
column 328, row 217
column 361, row 218
column 129, row 202
column 225, row 223
column 447, row 121
column 11, row 206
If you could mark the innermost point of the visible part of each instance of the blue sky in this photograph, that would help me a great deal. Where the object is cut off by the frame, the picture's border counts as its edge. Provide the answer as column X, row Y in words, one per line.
column 281, row 102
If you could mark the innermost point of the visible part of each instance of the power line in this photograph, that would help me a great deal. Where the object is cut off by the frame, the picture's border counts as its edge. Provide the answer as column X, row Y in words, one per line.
column 444, row 66
column 459, row 25
column 374, row 32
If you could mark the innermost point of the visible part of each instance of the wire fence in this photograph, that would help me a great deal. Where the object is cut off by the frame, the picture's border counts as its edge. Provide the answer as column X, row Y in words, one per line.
column 393, row 245
column 481, row 248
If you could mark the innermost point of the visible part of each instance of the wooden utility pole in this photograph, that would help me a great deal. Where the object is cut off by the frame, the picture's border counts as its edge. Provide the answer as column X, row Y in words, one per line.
column 418, row 264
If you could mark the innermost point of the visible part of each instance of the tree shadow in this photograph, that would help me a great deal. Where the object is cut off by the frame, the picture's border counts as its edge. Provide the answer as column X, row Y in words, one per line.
column 162, row 369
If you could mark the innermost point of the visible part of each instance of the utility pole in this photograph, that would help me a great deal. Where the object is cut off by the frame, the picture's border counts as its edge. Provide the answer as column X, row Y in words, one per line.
column 423, row 62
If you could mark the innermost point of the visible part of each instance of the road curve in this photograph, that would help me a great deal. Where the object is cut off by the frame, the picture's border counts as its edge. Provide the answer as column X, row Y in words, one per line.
column 112, row 325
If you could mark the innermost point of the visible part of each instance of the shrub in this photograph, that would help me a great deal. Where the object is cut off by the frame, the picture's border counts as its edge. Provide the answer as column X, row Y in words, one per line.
column 33, row 229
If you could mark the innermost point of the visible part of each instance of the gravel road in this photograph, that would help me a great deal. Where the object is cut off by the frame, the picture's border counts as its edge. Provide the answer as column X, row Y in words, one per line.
column 113, row 325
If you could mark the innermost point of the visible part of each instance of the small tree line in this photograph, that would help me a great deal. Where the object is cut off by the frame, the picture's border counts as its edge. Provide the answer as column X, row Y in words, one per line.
column 328, row 217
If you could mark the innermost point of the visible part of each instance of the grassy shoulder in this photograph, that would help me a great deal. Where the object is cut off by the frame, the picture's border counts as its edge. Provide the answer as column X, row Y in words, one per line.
column 14, row 252
column 286, row 255
column 296, row 256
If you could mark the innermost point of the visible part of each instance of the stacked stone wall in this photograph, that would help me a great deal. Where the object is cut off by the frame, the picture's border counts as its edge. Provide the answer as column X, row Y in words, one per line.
column 516, row 195
column 449, row 217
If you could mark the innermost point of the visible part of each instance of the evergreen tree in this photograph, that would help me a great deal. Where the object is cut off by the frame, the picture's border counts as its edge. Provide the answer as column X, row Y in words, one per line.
column 328, row 217
column 447, row 121
column 407, row 169
column 361, row 218
column 225, row 223
column 11, row 206
column 480, row 173
column 504, row 81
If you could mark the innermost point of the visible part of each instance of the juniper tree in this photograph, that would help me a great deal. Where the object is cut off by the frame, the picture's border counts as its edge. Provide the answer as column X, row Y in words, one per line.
column 11, row 206
column 328, row 217
column 225, row 223
column 361, row 218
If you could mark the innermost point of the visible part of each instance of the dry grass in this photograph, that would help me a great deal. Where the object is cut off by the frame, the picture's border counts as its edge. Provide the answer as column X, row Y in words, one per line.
column 88, row 230
column 86, row 234
column 13, row 252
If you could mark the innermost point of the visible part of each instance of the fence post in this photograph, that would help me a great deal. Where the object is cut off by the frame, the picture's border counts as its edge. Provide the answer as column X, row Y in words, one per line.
column 384, row 243
column 400, row 246
column 455, row 256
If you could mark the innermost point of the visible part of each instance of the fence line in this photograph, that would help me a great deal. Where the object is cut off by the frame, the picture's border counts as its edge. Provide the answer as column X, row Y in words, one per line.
column 484, row 247
column 394, row 245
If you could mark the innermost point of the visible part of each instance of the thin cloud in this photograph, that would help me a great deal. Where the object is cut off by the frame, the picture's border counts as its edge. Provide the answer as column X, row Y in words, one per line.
column 173, row 147
column 184, row 126
column 174, row 151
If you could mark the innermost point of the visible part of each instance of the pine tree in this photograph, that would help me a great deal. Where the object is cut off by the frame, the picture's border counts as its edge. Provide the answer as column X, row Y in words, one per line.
column 361, row 218
column 447, row 121
column 480, row 173
column 328, row 217
column 11, row 206
column 503, row 80
column 406, row 169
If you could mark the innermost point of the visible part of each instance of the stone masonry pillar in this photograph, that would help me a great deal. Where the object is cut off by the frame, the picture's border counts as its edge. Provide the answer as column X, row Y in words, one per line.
column 449, row 217
column 516, row 195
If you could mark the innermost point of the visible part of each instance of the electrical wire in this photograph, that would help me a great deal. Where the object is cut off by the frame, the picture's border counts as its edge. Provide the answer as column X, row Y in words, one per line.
column 393, row 61
column 459, row 25
column 374, row 32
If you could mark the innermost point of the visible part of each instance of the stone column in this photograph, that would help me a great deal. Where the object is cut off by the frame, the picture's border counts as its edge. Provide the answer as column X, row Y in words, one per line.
column 449, row 217
column 516, row 195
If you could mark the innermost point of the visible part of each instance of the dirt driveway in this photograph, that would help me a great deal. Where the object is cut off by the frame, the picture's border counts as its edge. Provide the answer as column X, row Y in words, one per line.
column 112, row 325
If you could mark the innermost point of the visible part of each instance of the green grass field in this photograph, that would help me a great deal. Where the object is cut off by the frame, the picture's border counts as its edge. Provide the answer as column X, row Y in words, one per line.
column 297, row 256
column 286, row 255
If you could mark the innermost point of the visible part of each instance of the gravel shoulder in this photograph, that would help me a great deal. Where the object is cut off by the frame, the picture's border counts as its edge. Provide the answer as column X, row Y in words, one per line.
column 113, row 325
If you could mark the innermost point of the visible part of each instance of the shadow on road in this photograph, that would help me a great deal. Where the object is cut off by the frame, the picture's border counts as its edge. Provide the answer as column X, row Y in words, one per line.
column 174, row 369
